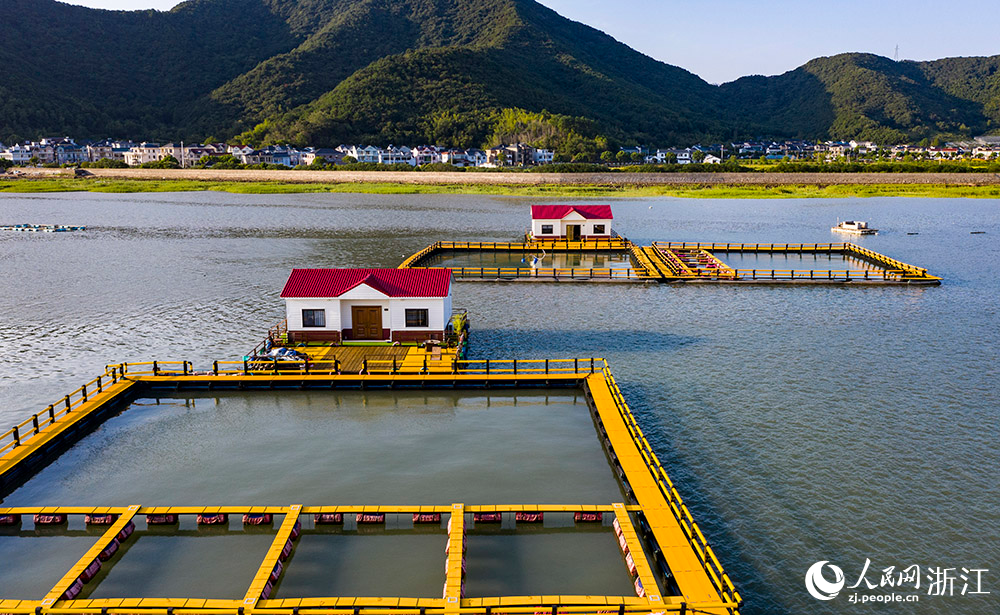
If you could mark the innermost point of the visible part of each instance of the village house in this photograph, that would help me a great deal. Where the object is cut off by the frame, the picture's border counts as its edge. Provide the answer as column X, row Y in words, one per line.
column 395, row 155
column 683, row 156
column 570, row 222
column 325, row 155
column 456, row 158
column 398, row 305
column 426, row 155
column 17, row 154
column 516, row 155
column 143, row 153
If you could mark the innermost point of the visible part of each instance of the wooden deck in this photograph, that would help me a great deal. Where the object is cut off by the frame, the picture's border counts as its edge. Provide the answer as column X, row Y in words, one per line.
column 380, row 358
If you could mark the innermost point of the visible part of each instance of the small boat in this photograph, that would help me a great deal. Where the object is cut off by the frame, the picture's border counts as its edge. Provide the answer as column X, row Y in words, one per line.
column 42, row 228
column 854, row 227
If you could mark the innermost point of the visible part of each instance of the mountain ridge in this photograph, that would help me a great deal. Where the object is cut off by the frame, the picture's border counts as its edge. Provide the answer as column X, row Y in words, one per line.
column 330, row 71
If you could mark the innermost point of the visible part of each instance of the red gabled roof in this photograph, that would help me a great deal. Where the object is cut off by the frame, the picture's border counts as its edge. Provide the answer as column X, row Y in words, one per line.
column 558, row 212
column 391, row 282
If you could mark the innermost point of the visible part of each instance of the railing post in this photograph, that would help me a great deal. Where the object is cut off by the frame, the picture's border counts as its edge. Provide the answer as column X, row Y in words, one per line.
column 365, row 366
column 34, row 422
column 336, row 365
column 306, row 366
column 100, row 387
column 17, row 437
column 215, row 368
column 114, row 375
column 246, row 367
column 576, row 365
column 591, row 365
column 515, row 367
column 83, row 392
column 185, row 368
column 275, row 366
column 546, row 366
column 52, row 413
column 66, row 399
column 425, row 364
column 487, row 367
column 156, row 368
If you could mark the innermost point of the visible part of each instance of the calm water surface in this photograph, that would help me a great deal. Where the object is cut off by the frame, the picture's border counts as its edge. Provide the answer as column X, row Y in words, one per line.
column 801, row 424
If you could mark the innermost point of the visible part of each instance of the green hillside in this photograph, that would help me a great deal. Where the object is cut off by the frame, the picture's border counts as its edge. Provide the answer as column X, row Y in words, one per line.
column 864, row 96
column 457, row 72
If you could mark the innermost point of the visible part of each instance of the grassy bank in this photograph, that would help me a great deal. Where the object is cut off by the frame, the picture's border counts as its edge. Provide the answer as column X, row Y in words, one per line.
column 681, row 191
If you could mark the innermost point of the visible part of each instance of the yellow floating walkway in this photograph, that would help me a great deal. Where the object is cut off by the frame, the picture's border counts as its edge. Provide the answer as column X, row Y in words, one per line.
column 693, row 567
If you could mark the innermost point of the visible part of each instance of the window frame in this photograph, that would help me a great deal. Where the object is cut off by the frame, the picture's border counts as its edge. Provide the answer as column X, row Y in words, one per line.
column 424, row 316
column 310, row 323
column 550, row 231
column 602, row 230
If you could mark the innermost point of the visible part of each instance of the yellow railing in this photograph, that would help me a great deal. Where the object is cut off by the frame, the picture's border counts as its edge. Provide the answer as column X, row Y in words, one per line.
column 545, row 272
column 590, row 245
column 21, row 433
column 713, row 568
column 800, row 274
column 753, row 247
column 278, row 367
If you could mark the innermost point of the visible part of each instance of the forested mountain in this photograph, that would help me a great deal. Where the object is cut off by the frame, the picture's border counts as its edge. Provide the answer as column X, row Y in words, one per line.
column 457, row 72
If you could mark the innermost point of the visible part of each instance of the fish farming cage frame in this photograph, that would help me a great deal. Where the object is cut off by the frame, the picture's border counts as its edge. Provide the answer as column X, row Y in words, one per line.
column 659, row 263
column 689, row 577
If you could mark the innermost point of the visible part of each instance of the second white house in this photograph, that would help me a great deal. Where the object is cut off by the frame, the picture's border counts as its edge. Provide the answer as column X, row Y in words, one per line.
column 570, row 222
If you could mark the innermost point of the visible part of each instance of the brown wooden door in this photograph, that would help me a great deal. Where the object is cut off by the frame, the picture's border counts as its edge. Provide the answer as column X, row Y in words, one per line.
column 573, row 232
column 367, row 321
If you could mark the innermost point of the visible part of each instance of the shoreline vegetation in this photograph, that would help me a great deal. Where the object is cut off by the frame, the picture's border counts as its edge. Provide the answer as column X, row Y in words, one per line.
column 616, row 185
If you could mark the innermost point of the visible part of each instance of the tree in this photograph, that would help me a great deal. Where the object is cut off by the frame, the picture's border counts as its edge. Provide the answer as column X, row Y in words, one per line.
column 33, row 161
column 347, row 160
column 607, row 156
column 698, row 156
column 670, row 158
column 636, row 157
column 621, row 156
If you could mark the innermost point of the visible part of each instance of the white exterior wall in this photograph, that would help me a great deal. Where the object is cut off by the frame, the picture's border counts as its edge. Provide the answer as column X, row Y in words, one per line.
column 559, row 227
column 437, row 313
column 294, row 307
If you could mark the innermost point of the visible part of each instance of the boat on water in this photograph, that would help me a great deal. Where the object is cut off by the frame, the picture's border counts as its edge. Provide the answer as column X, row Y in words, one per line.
column 41, row 228
column 854, row 227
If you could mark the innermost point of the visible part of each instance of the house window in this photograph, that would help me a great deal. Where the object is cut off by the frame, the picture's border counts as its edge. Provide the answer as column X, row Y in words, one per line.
column 313, row 318
column 417, row 317
column 598, row 229
column 546, row 229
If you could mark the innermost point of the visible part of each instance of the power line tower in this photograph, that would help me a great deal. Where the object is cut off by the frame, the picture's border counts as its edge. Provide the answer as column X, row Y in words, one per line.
column 896, row 56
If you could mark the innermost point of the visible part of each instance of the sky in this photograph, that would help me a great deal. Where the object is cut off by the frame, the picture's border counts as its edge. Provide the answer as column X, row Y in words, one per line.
column 722, row 40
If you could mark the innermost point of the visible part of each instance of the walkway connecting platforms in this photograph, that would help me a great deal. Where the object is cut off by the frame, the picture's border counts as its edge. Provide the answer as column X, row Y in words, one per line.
column 674, row 569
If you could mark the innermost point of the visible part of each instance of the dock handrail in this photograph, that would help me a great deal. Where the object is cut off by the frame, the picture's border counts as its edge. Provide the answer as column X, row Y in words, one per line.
column 546, row 272
column 709, row 561
column 268, row 366
column 25, row 430
column 274, row 337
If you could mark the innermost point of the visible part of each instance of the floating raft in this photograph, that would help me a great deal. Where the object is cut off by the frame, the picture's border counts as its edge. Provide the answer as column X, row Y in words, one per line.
column 672, row 567
column 42, row 228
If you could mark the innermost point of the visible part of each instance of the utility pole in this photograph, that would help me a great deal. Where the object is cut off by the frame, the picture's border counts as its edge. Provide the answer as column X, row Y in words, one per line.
column 896, row 56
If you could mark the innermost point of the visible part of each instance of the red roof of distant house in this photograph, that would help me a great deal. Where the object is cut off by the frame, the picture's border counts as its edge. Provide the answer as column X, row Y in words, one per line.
column 391, row 282
column 558, row 212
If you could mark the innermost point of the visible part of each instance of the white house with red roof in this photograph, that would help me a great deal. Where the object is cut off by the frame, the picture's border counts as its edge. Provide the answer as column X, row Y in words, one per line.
column 399, row 305
column 571, row 222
